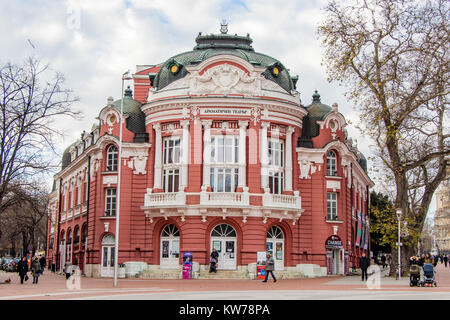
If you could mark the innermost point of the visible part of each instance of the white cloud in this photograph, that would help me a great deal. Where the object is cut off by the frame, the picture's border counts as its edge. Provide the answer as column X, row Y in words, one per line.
column 93, row 42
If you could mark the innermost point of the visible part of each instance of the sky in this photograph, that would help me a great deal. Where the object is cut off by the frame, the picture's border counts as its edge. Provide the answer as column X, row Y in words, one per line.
column 94, row 42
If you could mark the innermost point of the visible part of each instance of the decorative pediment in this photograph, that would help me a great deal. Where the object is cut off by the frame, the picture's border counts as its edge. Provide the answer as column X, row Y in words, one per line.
column 224, row 79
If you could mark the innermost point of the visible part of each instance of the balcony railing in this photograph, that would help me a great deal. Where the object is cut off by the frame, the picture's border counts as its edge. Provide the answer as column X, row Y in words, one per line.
column 225, row 198
column 282, row 201
column 164, row 199
column 69, row 213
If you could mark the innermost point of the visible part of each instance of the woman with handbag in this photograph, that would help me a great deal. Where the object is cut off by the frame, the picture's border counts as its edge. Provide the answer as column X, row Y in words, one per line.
column 22, row 269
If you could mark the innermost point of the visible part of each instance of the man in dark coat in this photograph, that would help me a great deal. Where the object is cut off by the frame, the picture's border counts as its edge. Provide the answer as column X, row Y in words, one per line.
column 445, row 260
column 270, row 266
column 22, row 269
column 213, row 261
column 364, row 263
column 42, row 263
column 383, row 261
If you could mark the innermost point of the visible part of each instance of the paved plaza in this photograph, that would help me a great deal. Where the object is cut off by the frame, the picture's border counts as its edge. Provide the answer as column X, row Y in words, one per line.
column 53, row 286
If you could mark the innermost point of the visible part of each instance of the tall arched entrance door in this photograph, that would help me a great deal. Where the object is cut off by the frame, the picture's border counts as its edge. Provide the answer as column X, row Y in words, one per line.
column 170, row 247
column 108, row 255
column 224, row 240
column 275, row 246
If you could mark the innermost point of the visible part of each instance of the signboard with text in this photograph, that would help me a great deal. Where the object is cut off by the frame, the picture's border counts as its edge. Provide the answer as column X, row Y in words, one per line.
column 333, row 242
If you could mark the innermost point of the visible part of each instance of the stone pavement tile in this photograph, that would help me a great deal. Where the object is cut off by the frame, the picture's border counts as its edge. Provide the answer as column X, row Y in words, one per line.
column 55, row 284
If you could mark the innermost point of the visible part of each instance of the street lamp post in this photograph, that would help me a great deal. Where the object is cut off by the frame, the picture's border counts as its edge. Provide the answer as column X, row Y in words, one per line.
column 399, row 216
column 125, row 76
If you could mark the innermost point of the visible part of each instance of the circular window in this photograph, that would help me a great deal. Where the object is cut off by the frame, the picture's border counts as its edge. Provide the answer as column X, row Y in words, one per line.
column 174, row 69
column 276, row 71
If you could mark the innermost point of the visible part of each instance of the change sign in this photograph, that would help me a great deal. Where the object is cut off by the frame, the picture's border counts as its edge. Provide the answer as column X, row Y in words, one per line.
column 333, row 242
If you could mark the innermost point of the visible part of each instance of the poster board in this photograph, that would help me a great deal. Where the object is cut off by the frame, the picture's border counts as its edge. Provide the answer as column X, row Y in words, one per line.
column 187, row 265
column 261, row 265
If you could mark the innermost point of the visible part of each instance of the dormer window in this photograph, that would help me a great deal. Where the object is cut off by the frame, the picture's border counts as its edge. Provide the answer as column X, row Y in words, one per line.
column 331, row 164
column 112, row 158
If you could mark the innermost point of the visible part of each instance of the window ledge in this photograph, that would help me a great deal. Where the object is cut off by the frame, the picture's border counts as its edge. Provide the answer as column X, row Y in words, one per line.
column 107, row 217
column 334, row 221
column 333, row 177
column 108, row 172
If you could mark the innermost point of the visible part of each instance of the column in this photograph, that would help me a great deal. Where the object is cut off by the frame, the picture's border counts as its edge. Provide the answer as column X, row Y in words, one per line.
column 206, row 152
column 184, row 155
column 158, row 157
column 264, row 149
column 242, row 180
column 288, row 163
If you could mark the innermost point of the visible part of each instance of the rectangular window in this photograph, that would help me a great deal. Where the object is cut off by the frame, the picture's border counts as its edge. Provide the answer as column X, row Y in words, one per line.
column 276, row 182
column 171, row 180
column 331, row 206
column 224, row 179
column 276, row 166
column 86, row 191
column 172, row 150
column 276, row 153
column 224, row 149
column 110, row 203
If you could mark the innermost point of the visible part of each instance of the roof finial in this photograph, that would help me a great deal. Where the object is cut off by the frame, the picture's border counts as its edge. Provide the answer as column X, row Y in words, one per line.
column 224, row 26
column 316, row 97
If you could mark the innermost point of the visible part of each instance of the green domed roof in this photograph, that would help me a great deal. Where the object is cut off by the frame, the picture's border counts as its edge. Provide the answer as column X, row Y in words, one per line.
column 218, row 44
column 317, row 109
column 67, row 158
column 363, row 162
column 129, row 104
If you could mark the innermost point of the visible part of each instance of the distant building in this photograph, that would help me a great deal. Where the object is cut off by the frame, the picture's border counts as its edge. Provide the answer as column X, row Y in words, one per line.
column 218, row 152
column 442, row 216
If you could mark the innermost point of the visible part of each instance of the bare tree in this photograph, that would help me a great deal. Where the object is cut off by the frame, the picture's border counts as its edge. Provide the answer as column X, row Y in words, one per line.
column 32, row 97
column 393, row 57
column 24, row 222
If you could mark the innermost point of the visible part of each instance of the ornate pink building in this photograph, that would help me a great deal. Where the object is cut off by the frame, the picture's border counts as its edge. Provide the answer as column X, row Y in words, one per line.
column 218, row 152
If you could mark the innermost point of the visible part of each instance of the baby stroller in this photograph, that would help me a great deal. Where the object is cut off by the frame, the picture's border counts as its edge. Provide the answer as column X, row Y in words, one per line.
column 213, row 265
column 414, row 275
column 428, row 275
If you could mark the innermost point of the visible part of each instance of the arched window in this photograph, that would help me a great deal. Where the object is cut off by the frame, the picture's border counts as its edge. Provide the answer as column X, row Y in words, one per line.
column 170, row 230
column 69, row 237
column 275, row 233
column 111, row 158
column 331, row 164
column 76, row 233
column 108, row 240
column 223, row 230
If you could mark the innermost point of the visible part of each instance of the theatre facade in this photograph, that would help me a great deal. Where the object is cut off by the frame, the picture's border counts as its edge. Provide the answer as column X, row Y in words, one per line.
column 218, row 151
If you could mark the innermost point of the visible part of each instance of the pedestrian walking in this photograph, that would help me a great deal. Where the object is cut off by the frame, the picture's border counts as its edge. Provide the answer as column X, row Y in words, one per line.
column 445, row 260
column 270, row 266
column 436, row 260
column 364, row 263
column 213, row 261
column 67, row 269
column 383, row 261
column 42, row 263
column 35, row 270
column 441, row 258
column 22, row 269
